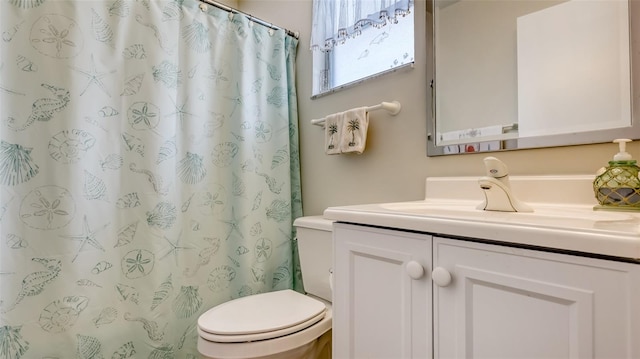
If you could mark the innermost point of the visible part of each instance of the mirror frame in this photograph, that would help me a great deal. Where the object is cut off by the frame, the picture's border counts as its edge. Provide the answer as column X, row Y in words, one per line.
column 570, row 139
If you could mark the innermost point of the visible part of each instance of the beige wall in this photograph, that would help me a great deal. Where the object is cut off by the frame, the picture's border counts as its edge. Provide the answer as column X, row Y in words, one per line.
column 394, row 165
column 231, row 3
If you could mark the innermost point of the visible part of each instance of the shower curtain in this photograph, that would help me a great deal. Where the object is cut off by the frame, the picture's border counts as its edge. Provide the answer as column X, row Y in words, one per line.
column 148, row 169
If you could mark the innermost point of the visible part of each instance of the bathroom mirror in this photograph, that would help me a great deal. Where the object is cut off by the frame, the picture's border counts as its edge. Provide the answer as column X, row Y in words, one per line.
column 515, row 74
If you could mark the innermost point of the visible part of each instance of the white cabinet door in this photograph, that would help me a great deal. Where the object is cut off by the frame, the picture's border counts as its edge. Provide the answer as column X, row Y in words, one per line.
column 382, row 294
column 506, row 302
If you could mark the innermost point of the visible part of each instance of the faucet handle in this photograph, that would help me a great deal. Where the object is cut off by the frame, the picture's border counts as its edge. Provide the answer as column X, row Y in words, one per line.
column 497, row 189
column 495, row 168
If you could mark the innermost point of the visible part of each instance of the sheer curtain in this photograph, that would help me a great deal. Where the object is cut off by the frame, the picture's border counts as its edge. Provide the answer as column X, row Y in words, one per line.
column 148, row 171
column 334, row 21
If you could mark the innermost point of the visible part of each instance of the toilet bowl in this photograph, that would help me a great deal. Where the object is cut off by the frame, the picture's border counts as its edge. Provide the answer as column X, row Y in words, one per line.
column 282, row 324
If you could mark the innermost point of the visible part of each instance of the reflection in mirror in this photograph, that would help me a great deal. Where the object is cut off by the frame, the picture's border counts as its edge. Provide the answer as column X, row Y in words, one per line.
column 531, row 73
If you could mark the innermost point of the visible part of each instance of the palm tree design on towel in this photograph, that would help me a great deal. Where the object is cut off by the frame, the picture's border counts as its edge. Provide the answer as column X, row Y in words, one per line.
column 333, row 129
column 352, row 127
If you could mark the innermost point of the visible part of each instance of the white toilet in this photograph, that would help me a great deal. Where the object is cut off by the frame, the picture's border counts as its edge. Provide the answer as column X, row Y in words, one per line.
column 283, row 324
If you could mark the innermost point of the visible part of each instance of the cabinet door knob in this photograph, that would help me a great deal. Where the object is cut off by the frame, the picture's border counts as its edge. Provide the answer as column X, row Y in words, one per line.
column 415, row 270
column 441, row 277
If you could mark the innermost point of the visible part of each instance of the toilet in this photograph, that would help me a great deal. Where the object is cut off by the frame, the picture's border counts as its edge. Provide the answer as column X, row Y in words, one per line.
column 282, row 324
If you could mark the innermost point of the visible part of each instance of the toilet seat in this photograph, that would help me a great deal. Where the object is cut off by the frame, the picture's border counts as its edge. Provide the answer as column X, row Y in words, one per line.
column 260, row 317
column 276, row 348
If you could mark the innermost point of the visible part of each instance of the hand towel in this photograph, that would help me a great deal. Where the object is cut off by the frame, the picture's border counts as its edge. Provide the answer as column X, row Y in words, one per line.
column 355, row 123
column 332, row 133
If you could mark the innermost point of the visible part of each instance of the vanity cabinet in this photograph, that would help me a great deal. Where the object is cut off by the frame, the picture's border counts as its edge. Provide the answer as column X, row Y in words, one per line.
column 477, row 299
column 381, row 294
column 507, row 302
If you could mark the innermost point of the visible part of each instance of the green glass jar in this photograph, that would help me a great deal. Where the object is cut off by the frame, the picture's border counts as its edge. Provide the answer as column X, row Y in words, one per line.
column 618, row 185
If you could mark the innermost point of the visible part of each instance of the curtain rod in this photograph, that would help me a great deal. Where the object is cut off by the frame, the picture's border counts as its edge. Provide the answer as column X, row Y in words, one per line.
column 250, row 17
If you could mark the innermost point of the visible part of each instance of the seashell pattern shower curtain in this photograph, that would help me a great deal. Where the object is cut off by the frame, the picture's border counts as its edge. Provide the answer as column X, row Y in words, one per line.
column 148, row 171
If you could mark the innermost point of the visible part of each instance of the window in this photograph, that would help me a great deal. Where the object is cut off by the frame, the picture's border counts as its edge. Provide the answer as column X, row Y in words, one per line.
column 348, row 51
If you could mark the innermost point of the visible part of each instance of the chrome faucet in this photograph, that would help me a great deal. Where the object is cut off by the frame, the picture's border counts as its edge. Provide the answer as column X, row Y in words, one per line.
column 497, row 189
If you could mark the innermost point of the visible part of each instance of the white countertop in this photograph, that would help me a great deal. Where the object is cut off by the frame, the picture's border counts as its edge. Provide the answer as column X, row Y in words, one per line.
column 569, row 226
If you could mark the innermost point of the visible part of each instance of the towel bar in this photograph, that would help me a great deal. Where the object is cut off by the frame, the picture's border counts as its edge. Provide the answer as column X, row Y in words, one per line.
column 392, row 107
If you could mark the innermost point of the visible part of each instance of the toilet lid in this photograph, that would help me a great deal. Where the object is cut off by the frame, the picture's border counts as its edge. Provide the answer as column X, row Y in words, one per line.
column 261, row 316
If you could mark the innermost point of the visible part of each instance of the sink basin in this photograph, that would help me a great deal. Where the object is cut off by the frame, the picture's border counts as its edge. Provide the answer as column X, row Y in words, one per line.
column 544, row 215
column 563, row 217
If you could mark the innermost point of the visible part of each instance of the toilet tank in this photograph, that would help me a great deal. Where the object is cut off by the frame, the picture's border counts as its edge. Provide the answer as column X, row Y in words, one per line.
column 315, row 247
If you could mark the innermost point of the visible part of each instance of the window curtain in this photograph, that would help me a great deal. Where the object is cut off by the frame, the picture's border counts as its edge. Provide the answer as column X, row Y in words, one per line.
column 335, row 21
column 148, row 172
